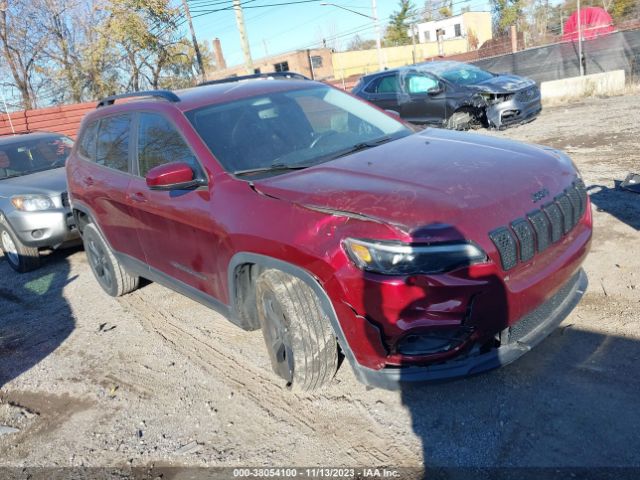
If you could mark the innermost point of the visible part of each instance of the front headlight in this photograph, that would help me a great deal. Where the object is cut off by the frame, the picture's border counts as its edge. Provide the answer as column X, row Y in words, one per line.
column 32, row 203
column 394, row 258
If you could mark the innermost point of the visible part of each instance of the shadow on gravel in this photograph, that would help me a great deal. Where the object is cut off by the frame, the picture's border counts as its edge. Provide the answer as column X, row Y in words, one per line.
column 566, row 409
column 34, row 316
column 622, row 204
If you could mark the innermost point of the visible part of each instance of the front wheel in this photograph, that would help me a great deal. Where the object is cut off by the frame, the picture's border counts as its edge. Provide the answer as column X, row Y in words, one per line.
column 301, row 344
column 111, row 276
column 19, row 256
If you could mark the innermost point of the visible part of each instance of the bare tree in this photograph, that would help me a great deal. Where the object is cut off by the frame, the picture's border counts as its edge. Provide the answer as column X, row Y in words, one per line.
column 21, row 42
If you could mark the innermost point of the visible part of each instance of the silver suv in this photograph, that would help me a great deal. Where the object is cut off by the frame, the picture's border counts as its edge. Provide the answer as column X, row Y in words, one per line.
column 34, row 206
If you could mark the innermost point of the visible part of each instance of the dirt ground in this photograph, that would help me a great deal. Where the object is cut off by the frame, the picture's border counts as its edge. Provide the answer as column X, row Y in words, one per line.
column 153, row 378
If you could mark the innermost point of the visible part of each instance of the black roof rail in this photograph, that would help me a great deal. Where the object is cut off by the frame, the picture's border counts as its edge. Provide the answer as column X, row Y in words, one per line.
column 285, row 75
column 164, row 94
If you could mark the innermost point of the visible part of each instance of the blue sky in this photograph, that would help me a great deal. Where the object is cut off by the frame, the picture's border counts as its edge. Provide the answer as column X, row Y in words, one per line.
column 279, row 29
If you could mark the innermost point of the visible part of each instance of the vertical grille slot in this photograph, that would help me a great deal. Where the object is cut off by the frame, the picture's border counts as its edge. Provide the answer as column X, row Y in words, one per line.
column 576, row 203
column 541, row 226
column 507, row 247
column 582, row 191
column 567, row 212
column 555, row 220
column 526, row 239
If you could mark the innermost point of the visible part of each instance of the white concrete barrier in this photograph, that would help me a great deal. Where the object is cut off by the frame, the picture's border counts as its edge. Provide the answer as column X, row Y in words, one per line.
column 606, row 83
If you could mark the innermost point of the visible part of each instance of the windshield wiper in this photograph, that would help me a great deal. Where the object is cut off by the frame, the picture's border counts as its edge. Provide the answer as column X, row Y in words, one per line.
column 13, row 175
column 362, row 146
column 271, row 168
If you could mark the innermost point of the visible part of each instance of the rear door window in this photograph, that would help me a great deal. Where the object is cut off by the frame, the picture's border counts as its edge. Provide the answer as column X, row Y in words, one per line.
column 113, row 142
column 159, row 142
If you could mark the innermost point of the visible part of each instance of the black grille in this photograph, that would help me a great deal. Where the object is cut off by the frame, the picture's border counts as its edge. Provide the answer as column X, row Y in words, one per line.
column 524, row 233
column 65, row 199
column 567, row 212
column 540, row 224
column 527, row 94
column 541, row 227
column 506, row 245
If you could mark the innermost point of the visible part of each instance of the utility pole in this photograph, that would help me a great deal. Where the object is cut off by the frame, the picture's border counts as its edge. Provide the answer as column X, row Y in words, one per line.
column 187, row 13
column 580, row 41
column 413, row 41
column 248, row 63
column 6, row 109
column 374, row 9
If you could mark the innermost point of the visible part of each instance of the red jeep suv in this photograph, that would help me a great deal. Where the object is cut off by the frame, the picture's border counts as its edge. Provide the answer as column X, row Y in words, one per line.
column 293, row 207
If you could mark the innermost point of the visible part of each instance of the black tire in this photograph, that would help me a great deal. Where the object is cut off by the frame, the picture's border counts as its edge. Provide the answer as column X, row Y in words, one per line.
column 19, row 256
column 111, row 276
column 299, row 338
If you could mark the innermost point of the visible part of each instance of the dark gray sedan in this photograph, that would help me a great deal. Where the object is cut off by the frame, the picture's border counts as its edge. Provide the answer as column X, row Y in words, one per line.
column 452, row 95
column 34, row 206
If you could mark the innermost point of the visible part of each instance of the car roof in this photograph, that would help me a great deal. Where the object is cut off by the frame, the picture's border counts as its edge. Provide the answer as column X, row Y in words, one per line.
column 203, row 95
column 10, row 139
column 436, row 67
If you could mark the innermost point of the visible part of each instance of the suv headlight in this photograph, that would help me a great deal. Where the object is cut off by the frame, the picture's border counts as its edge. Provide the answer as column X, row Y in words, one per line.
column 394, row 258
column 32, row 203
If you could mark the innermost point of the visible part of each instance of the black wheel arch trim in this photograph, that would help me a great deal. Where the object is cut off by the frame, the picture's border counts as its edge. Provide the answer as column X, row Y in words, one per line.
column 312, row 281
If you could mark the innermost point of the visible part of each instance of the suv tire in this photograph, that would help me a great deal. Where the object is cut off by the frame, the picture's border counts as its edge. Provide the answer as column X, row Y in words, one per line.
column 300, row 341
column 111, row 276
column 19, row 256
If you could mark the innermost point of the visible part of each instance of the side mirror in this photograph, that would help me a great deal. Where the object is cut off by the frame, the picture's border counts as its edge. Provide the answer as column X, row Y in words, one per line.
column 172, row 176
column 435, row 90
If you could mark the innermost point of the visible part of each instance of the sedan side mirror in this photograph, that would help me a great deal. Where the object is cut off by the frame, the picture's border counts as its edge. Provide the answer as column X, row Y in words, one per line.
column 172, row 176
column 435, row 90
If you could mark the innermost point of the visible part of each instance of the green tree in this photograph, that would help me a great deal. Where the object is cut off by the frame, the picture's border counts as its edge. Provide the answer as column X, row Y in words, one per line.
column 507, row 13
column 397, row 29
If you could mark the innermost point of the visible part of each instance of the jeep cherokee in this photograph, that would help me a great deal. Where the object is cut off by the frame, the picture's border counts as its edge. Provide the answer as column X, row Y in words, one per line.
column 298, row 209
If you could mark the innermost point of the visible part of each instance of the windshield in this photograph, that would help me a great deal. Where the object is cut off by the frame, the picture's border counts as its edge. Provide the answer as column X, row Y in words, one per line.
column 292, row 129
column 466, row 75
column 27, row 154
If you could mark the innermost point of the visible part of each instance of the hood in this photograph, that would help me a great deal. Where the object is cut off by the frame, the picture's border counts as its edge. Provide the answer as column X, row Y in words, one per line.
column 464, row 180
column 503, row 84
column 49, row 182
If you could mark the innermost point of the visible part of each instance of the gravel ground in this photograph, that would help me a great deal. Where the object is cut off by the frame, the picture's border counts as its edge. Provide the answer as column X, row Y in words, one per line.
column 153, row 378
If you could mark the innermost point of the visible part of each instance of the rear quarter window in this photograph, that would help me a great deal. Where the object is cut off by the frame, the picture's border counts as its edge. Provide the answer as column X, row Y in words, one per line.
column 87, row 142
column 386, row 84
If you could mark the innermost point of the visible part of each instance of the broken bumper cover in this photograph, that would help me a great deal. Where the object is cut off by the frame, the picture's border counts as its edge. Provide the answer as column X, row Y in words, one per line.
column 523, row 107
column 520, row 338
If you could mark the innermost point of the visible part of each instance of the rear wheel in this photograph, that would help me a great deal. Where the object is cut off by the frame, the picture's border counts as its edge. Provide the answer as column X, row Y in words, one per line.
column 19, row 256
column 301, row 344
column 111, row 276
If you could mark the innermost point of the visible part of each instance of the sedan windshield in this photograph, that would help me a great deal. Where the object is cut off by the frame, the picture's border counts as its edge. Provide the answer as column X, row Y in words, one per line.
column 27, row 154
column 466, row 75
column 284, row 131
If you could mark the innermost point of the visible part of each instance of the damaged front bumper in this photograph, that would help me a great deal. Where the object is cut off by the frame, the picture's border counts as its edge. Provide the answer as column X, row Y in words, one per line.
column 514, row 342
column 521, row 107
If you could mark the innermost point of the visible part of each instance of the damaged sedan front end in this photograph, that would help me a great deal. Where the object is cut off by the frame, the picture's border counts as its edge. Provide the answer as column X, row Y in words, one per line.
column 453, row 95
